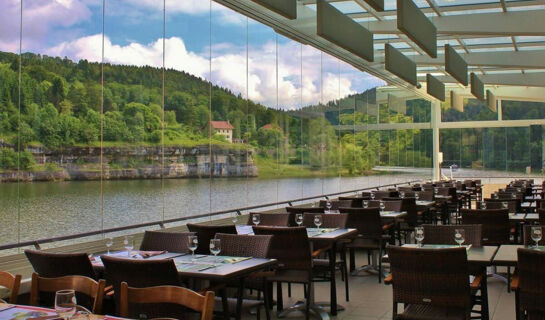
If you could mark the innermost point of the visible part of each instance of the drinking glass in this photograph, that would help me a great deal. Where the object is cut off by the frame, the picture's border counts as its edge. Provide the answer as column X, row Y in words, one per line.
column 513, row 195
column 365, row 203
column 459, row 236
column 318, row 221
column 109, row 243
column 416, row 196
column 436, row 191
column 495, row 196
column 536, row 234
column 192, row 244
column 419, row 235
column 128, row 242
column 215, row 248
column 483, row 205
column 256, row 219
column 65, row 303
column 505, row 205
column 234, row 218
column 382, row 206
column 328, row 206
column 402, row 194
column 299, row 219
column 372, row 196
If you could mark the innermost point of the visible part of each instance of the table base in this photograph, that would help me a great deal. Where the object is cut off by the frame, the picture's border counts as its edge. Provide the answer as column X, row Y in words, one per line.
column 317, row 309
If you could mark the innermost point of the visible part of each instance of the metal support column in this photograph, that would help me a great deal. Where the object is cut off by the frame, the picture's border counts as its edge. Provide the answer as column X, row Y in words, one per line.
column 435, row 121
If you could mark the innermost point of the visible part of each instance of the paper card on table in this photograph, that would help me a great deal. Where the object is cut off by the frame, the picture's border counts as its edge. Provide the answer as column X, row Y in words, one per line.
column 25, row 313
column 193, row 266
column 444, row 246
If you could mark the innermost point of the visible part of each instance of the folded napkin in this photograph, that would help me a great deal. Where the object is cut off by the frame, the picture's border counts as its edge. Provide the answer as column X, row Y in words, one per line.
column 149, row 254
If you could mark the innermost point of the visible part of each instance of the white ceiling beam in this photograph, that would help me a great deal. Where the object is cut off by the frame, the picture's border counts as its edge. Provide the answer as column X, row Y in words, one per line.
column 536, row 79
column 534, row 59
column 506, row 93
column 516, row 23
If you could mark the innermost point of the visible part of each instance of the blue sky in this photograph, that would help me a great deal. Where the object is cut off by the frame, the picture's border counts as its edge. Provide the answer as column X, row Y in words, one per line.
column 134, row 33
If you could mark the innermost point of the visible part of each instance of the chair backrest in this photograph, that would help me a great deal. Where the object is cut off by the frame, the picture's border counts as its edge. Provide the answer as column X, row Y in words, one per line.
column 207, row 232
column 513, row 205
column 444, row 234
column 406, row 189
column 295, row 210
column 527, row 235
column 164, row 295
column 426, row 195
column 245, row 245
column 12, row 283
column 270, row 219
column 391, row 205
column 356, row 201
column 366, row 220
column 139, row 273
column 531, row 291
column 290, row 246
column 168, row 241
column 541, row 215
column 328, row 220
column 382, row 194
column 435, row 277
column 336, row 204
column 53, row 265
column 495, row 224
column 92, row 290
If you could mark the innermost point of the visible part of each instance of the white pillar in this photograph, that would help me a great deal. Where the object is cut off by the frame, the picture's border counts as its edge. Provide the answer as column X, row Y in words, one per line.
column 435, row 120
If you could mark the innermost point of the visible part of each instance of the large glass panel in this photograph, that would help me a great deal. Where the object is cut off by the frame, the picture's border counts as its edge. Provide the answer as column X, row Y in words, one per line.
column 474, row 110
column 520, row 110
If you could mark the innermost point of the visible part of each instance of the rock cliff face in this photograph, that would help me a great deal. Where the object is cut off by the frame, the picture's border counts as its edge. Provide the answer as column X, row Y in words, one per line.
column 79, row 163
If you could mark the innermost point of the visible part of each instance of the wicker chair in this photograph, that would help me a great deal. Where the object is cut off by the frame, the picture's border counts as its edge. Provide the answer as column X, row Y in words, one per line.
column 89, row 292
column 527, row 235
column 379, row 195
column 294, row 264
column 12, row 283
column 270, row 219
column 496, row 228
column 370, row 236
column 167, row 241
column 53, row 265
column 207, row 232
column 444, row 234
column 295, row 210
column 541, row 215
column 357, row 202
column 140, row 274
column 336, row 204
column 513, row 205
column 528, row 284
column 392, row 205
column 431, row 283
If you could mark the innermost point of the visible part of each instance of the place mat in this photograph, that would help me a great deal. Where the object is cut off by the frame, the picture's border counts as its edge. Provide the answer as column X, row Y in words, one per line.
column 222, row 259
column 244, row 229
column 312, row 232
column 390, row 213
column 445, row 246
column 193, row 267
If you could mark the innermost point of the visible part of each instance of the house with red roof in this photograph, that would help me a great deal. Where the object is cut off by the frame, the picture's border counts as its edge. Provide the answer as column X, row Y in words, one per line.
column 224, row 128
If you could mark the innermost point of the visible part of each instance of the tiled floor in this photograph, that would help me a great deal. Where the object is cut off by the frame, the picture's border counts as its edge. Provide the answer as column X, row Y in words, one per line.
column 371, row 300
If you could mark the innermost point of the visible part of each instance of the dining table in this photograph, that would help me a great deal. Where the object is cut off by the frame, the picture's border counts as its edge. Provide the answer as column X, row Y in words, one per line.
column 24, row 312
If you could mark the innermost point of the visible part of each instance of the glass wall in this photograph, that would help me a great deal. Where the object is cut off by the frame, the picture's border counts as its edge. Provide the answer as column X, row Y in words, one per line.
column 115, row 113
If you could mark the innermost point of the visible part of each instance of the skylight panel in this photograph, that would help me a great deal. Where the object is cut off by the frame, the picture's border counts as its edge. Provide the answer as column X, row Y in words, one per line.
column 348, row 7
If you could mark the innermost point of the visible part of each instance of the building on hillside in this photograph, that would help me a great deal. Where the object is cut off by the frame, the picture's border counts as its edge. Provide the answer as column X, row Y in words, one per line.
column 224, row 128
column 270, row 126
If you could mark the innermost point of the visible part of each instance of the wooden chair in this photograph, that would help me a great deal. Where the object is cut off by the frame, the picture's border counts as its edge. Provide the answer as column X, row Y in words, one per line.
column 207, row 232
column 165, row 241
column 165, row 295
column 430, row 283
column 528, row 284
column 270, row 219
column 12, row 283
column 53, row 265
column 83, row 286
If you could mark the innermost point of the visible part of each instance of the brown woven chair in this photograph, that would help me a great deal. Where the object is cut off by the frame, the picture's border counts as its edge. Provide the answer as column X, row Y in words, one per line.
column 328, row 220
column 140, row 274
column 291, row 247
column 165, row 241
column 513, row 205
column 370, row 236
column 431, row 283
column 527, row 235
column 53, row 265
column 541, row 215
column 496, row 228
column 295, row 210
column 528, row 284
column 270, row 219
column 392, row 205
column 89, row 292
column 379, row 195
column 444, row 234
column 336, row 204
column 179, row 296
column 357, row 202
column 12, row 283
column 426, row 195
column 207, row 232
column 256, row 246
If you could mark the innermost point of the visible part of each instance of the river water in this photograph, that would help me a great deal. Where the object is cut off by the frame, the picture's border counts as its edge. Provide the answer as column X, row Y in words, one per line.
column 46, row 209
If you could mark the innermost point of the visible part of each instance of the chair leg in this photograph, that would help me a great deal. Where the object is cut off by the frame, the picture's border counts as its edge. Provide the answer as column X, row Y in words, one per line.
column 266, row 299
column 307, row 301
column 346, row 289
column 352, row 260
column 258, row 311
column 380, row 264
column 279, row 300
column 289, row 290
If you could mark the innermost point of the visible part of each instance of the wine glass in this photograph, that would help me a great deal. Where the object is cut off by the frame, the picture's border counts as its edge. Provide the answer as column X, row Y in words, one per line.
column 65, row 303
column 513, row 195
column 372, row 196
column 109, row 243
column 402, row 194
column 313, row 204
column 459, row 236
column 256, row 219
column 495, row 195
column 505, row 205
column 318, row 220
column 215, row 248
column 299, row 219
column 365, row 203
column 436, row 191
column 416, row 196
column 382, row 206
column 419, row 235
column 328, row 206
column 192, row 244
column 483, row 205
column 234, row 218
column 128, row 242
column 536, row 234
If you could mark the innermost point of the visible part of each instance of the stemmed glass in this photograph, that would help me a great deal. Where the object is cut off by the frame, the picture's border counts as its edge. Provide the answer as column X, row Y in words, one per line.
column 299, row 219
column 495, row 196
column 192, row 244
column 459, row 236
column 419, row 235
column 65, row 303
column 318, row 221
column 402, row 194
column 513, row 195
column 365, row 203
column 234, row 218
column 128, row 242
column 215, row 248
column 328, row 206
column 483, row 205
column 536, row 234
column 256, row 219
column 505, row 205
column 436, row 191
column 109, row 243
column 416, row 196
column 372, row 196
column 382, row 206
